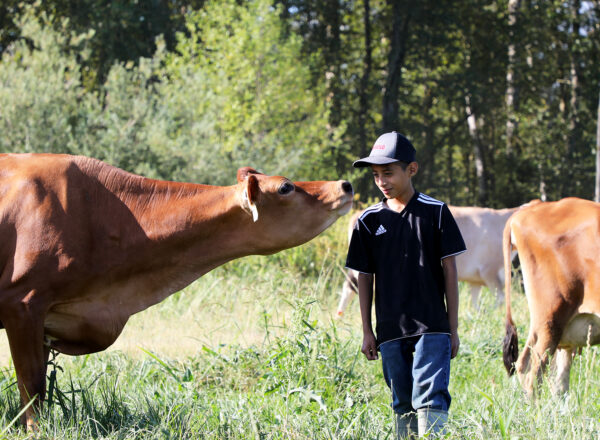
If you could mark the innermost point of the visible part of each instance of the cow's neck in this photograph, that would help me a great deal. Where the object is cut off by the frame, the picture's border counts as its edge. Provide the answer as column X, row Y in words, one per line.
column 198, row 227
column 184, row 231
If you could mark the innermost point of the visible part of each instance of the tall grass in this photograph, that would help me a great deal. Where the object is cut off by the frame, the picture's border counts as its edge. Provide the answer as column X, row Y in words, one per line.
column 252, row 351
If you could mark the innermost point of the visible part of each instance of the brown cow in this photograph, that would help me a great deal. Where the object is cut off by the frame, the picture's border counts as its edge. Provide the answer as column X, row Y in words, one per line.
column 558, row 246
column 481, row 265
column 85, row 245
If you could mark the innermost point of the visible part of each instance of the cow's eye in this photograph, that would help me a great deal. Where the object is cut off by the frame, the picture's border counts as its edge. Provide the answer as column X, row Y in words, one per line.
column 286, row 188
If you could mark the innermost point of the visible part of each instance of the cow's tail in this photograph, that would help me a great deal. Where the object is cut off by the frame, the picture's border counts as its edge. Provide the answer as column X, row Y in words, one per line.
column 510, row 345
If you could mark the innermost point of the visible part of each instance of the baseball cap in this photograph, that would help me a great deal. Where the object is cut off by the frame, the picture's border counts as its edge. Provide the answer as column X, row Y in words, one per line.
column 388, row 148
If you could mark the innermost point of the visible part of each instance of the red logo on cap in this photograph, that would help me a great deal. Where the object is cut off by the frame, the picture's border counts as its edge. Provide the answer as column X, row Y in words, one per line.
column 379, row 147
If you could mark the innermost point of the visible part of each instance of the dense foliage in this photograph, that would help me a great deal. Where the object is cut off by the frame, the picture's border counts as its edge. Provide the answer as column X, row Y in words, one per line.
column 499, row 97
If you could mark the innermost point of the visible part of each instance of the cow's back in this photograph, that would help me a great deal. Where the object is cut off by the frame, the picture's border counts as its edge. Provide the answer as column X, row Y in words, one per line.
column 481, row 229
column 560, row 241
column 58, row 216
column 32, row 191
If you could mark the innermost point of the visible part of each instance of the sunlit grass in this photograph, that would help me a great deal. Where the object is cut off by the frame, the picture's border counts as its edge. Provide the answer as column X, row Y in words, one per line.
column 253, row 351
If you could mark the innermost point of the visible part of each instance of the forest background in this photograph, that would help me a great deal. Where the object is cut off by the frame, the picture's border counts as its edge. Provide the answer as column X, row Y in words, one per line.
column 500, row 98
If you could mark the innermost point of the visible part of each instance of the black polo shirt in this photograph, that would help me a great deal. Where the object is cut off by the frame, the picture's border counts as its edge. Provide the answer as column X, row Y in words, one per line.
column 404, row 251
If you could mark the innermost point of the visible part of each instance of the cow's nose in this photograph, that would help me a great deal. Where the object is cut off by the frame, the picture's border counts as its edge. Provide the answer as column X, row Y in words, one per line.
column 347, row 186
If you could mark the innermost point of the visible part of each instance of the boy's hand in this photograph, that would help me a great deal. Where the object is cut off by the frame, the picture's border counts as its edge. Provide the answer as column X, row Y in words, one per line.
column 369, row 347
column 454, row 344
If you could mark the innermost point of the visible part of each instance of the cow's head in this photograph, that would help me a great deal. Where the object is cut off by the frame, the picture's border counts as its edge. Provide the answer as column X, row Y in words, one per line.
column 285, row 213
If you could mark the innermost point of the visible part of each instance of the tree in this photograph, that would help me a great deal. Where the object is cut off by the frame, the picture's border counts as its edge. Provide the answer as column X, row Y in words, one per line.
column 511, row 123
column 499, row 97
column 123, row 30
column 402, row 15
column 267, row 112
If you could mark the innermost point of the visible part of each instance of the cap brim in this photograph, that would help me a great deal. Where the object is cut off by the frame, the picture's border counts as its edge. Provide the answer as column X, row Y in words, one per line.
column 373, row 160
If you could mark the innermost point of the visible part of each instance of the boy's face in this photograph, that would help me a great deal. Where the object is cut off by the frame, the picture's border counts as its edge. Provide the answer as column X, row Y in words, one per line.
column 393, row 180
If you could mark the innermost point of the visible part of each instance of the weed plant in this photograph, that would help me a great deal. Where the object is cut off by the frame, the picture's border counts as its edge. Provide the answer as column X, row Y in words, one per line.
column 252, row 351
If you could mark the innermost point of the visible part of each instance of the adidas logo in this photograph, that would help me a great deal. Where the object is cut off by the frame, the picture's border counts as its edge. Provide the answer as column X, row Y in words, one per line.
column 380, row 230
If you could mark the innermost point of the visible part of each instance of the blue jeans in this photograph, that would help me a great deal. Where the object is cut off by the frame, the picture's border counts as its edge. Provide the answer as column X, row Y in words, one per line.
column 417, row 370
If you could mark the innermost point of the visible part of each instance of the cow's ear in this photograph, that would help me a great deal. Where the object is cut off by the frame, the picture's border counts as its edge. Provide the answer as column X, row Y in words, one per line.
column 250, row 193
column 244, row 172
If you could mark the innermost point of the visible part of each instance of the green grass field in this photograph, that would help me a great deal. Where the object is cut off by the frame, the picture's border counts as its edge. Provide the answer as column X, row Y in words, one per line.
column 253, row 351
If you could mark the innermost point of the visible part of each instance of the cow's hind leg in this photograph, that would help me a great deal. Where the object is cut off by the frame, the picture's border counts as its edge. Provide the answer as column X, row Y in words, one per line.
column 523, row 364
column 475, row 294
column 541, row 351
column 25, row 334
column 561, row 369
column 494, row 280
column 349, row 288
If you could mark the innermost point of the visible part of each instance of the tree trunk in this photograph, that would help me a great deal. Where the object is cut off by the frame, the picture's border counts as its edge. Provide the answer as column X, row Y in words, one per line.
column 511, row 122
column 573, row 113
column 332, row 18
column 597, row 196
column 427, row 173
column 364, row 82
column 542, row 186
column 482, row 191
column 399, row 37
column 364, row 185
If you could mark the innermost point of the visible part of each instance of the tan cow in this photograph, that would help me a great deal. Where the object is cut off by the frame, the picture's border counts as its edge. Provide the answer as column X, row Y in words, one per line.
column 559, row 248
column 85, row 245
column 481, row 265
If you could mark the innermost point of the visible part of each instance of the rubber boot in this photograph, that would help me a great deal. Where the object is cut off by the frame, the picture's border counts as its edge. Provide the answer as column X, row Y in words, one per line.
column 406, row 426
column 432, row 422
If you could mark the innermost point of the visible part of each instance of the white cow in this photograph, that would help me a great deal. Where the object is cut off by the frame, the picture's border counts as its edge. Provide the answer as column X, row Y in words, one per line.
column 481, row 265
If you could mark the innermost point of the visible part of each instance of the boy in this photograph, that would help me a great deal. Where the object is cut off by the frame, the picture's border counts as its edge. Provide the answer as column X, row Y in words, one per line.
column 408, row 242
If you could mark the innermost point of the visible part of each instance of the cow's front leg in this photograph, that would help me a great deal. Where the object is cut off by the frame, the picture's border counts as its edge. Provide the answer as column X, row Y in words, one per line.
column 25, row 333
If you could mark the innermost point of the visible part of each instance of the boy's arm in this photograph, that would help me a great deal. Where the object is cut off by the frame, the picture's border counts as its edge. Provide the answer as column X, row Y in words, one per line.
column 451, row 285
column 365, row 296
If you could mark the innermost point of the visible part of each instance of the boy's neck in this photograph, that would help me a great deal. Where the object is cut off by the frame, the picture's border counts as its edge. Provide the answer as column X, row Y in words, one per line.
column 399, row 203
